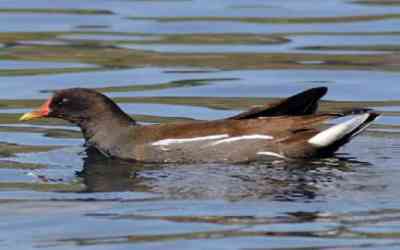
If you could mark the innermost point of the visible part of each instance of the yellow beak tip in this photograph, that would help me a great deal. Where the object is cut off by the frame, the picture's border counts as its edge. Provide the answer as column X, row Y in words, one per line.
column 28, row 116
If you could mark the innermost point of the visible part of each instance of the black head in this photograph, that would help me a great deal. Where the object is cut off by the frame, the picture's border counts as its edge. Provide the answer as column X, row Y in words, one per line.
column 77, row 105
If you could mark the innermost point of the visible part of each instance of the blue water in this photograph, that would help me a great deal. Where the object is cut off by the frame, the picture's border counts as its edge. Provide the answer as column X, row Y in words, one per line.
column 54, row 195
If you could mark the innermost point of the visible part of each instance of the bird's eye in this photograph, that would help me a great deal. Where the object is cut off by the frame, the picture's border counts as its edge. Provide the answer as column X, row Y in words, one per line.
column 62, row 101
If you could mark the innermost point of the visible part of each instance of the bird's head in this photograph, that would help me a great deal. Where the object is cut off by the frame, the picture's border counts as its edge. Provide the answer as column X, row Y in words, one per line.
column 75, row 105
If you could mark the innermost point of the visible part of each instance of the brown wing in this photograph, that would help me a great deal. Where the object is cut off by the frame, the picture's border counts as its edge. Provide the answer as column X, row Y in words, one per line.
column 275, row 126
column 304, row 103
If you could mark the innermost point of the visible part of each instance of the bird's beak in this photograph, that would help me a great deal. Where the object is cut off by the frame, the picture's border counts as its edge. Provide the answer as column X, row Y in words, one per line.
column 41, row 112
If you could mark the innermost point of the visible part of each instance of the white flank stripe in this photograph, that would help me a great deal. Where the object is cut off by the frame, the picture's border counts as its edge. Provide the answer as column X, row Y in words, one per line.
column 166, row 142
column 271, row 154
column 334, row 133
column 244, row 137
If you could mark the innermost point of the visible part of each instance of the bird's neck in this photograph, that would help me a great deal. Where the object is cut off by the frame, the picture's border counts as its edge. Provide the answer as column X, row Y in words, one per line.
column 103, row 131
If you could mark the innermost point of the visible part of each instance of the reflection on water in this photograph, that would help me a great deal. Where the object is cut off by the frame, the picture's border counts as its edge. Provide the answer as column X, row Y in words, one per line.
column 274, row 181
column 267, row 203
column 238, row 49
column 8, row 64
column 55, row 195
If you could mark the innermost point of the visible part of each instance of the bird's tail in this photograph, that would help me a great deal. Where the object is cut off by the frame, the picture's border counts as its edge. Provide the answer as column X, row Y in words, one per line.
column 304, row 103
column 331, row 139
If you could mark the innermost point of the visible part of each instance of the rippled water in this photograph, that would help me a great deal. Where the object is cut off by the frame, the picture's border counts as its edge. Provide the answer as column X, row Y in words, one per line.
column 173, row 60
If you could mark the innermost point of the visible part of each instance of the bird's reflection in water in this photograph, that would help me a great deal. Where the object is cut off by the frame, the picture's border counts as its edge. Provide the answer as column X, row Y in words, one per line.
column 102, row 174
column 285, row 181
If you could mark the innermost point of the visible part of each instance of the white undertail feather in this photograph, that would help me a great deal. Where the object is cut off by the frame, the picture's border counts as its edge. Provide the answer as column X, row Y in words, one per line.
column 337, row 132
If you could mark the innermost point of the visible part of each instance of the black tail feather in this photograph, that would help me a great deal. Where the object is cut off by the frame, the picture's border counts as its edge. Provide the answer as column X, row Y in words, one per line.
column 304, row 103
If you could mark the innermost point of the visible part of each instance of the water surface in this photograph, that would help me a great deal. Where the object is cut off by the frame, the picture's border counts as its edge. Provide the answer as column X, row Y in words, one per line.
column 56, row 195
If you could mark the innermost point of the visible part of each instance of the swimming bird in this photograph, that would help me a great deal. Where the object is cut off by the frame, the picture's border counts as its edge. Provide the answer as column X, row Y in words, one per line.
column 286, row 129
